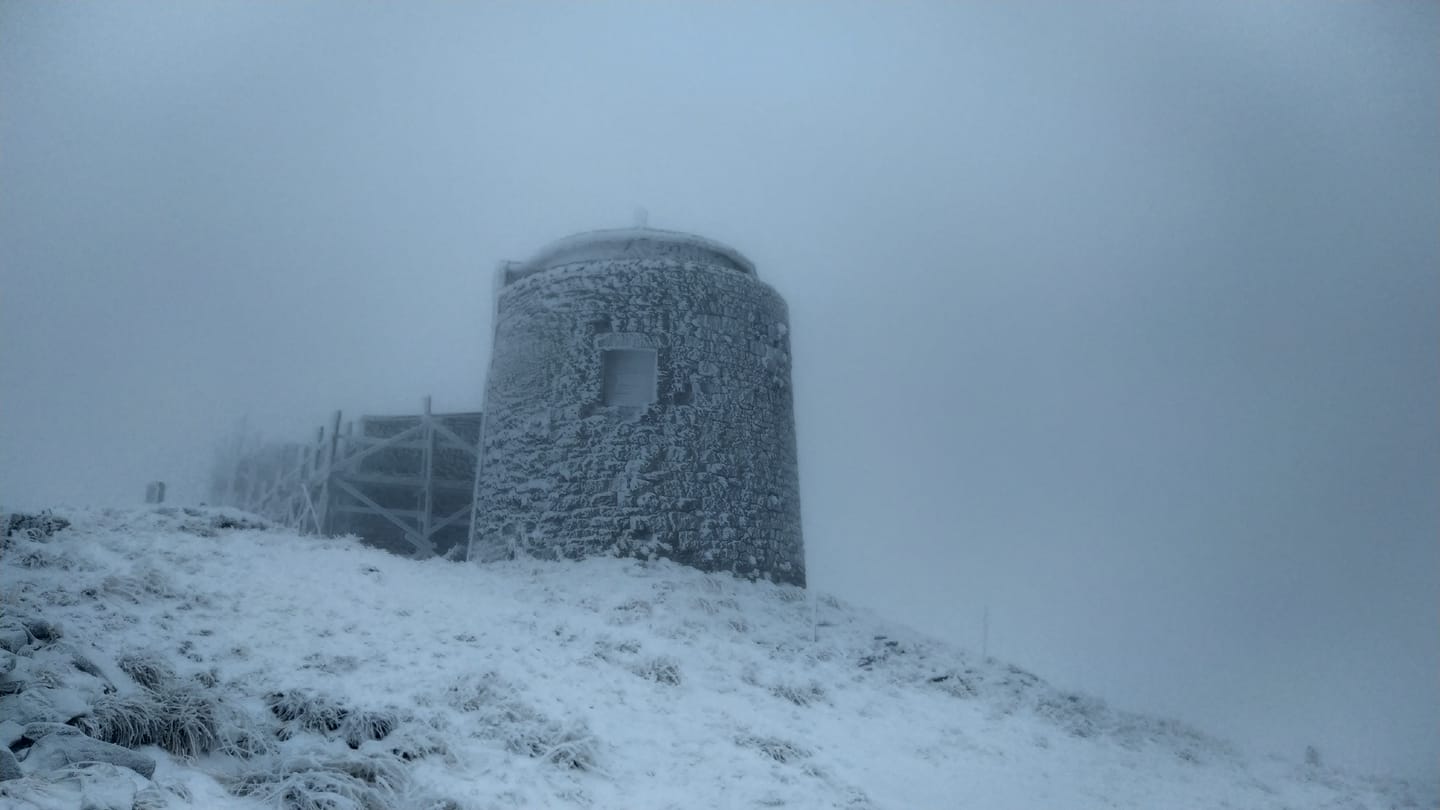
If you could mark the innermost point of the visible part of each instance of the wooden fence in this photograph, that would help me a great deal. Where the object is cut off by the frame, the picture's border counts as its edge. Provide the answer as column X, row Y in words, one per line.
column 402, row 483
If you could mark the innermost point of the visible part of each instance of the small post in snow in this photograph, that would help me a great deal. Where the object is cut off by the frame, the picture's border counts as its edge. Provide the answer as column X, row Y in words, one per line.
column 428, row 462
column 985, row 634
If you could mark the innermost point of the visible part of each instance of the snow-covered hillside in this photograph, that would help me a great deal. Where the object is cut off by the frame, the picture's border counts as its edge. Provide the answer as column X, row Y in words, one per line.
column 299, row 672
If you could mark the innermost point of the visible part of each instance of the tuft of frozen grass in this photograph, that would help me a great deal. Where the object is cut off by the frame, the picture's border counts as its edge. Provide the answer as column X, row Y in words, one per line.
column 307, row 711
column 148, row 670
column 184, row 719
column 180, row 721
column 782, row 751
column 961, row 684
column 355, row 782
column 362, row 726
column 302, row 710
column 662, row 669
column 412, row 741
column 38, row 526
column 800, row 694
column 501, row 714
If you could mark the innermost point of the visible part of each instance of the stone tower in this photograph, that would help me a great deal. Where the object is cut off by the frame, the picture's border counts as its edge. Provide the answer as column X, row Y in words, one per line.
column 639, row 403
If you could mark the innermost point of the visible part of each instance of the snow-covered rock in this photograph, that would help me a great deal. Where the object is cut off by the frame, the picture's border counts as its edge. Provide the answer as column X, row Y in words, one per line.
column 65, row 745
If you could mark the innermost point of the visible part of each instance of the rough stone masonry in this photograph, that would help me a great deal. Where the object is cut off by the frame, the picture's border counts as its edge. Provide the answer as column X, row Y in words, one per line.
column 639, row 403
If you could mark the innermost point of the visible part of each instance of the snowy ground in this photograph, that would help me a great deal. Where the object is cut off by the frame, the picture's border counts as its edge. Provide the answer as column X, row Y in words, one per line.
column 321, row 671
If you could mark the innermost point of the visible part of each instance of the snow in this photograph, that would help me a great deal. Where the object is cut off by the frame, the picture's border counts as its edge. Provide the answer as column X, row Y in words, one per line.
column 599, row 683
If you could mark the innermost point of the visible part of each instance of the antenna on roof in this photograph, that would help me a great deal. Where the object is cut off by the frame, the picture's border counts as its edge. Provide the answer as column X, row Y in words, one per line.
column 642, row 217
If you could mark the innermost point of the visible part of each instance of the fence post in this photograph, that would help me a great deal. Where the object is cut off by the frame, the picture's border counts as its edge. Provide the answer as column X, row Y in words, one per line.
column 475, row 490
column 428, row 465
column 327, row 492
column 251, row 484
column 312, row 489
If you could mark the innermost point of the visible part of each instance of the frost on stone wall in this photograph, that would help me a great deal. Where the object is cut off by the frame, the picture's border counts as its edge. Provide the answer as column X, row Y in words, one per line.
column 704, row 472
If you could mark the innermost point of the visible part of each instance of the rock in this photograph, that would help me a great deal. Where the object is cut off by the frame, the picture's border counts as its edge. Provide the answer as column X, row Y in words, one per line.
column 43, row 705
column 10, row 733
column 96, row 786
column 151, row 797
column 13, row 637
column 9, row 766
column 57, row 750
column 43, row 631
column 11, row 685
column 39, row 731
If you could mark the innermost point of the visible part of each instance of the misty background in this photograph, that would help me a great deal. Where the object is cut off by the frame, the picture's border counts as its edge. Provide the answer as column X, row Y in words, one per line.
column 1119, row 321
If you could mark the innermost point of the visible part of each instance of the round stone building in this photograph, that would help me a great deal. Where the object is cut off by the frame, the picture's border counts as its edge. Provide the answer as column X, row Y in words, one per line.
column 639, row 403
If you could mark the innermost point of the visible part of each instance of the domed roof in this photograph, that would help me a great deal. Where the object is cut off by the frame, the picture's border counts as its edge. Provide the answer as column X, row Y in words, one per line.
column 628, row 243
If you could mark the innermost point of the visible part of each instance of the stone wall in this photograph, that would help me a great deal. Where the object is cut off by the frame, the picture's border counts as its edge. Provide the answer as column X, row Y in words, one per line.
column 705, row 474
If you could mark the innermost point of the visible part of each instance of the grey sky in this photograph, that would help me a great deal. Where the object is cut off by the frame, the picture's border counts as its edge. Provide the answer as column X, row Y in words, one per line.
column 1123, row 321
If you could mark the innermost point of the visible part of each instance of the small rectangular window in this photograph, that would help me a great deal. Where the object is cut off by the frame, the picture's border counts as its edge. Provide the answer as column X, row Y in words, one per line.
column 629, row 376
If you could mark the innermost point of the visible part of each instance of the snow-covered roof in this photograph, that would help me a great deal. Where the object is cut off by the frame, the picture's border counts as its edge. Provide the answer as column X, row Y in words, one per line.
column 628, row 243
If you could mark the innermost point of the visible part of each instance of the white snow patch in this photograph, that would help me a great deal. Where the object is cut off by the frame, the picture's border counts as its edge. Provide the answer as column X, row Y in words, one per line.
column 602, row 683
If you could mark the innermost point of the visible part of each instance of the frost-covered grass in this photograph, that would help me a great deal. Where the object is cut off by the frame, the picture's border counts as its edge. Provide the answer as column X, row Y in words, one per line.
column 264, row 669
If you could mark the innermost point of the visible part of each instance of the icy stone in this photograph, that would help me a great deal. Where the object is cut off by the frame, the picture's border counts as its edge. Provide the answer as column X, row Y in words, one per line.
column 44, row 705
column 43, row 631
column 95, row 786
column 59, row 750
column 9, row 766
column 39, row 731
column 13, row 637
column 10, row 733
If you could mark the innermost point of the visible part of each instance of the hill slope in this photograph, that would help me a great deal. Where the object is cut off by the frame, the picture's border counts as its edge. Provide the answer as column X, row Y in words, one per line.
column 298, row 672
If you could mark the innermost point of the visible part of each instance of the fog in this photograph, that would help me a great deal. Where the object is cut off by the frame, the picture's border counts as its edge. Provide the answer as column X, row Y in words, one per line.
column 1120, row 322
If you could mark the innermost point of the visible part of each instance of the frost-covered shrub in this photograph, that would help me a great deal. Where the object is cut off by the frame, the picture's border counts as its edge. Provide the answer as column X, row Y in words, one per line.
column 368, row 725
column 957, row 684
column 40, row 558
column 181, row 723
column 303, row 710
column 148, row 670
column 789, row 594
column 663, row 670
column 326, row 783
column 332, row 664
column 37, row 526
column 502, row 715
column 137, row 588
column 1079, row 715
column 183, row 719
column 471, row 693
column 800, row 694
column 773, row 747
column 307, row 711
column 569, row 745
column 631, row 611
column 413, row 741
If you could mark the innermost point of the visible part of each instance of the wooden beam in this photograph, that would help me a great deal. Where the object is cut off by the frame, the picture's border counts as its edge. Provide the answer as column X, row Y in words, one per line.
column 421, row 543
column 475, row 491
